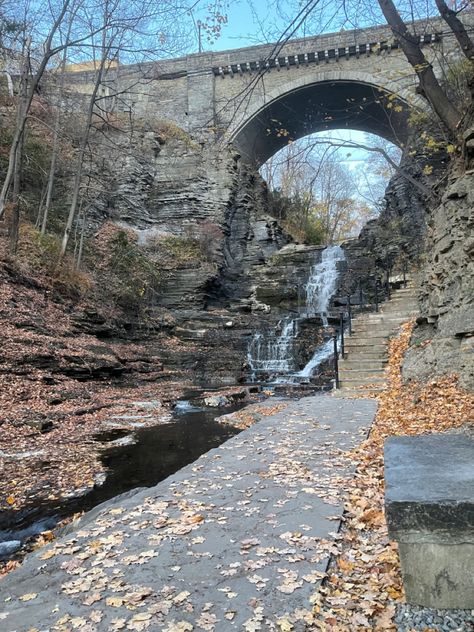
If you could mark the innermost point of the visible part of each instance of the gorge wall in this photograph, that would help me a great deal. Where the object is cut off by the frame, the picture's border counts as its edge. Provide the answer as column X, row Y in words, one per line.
column 251, row 275
column 443, row 340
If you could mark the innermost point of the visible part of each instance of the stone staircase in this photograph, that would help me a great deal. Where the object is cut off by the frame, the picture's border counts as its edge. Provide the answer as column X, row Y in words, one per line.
column 362, row 370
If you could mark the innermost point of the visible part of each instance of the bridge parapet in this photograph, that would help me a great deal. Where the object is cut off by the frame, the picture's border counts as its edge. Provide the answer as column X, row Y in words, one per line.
column 318, row 56
column 190, row 92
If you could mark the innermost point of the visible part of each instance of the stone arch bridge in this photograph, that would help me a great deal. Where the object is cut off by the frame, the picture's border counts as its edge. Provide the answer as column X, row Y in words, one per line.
column 260, row 97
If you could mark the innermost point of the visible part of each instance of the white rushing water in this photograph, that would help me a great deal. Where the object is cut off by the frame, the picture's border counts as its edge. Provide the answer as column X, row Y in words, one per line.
column 322, row 353
column 273, row 353
column 322, row 282
column 270, row 352
column 320, row 288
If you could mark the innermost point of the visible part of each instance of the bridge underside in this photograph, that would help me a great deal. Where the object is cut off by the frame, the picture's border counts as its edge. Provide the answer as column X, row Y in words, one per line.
column 327, row 105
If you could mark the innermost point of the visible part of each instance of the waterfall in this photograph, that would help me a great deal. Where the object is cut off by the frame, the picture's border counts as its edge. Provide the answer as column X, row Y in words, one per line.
column 322, row 282
column 322, row 353
column 270, row 352
column 273, row 353
column 320, row 288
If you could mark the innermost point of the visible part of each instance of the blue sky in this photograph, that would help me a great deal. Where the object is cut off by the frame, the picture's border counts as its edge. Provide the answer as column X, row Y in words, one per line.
column 259, row 21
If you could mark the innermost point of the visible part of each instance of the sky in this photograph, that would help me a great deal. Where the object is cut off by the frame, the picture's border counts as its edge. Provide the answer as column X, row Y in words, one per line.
column 253, row 21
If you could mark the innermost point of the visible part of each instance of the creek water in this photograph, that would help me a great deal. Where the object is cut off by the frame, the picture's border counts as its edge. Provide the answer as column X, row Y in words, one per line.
column 145, row 456
column 155, row 453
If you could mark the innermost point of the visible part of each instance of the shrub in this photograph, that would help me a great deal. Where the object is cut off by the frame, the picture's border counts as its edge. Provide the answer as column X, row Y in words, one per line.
column 199, row 245
column 124, row 271
column 40, row 254
column 181, row 249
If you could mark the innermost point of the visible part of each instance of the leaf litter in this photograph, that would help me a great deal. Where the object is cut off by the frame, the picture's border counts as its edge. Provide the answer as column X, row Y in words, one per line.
column 362, row 584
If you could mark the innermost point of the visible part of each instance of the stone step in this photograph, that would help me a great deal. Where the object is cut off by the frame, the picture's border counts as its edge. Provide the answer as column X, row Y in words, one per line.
column 355, row 374
column 356, row 362
column 354, row 392
column 373, row 334
column 363, row 335
column 355, row 353
column 365, row 341
column 362, row 381
column 410, row 289
column 405, row 294
column 381, row 322
column 378, row 334
column 400, row 297
column 400, row 312
column 366, row 350
column 355, row 367
column 398, row 304
column 380, row 317
column 362, row 372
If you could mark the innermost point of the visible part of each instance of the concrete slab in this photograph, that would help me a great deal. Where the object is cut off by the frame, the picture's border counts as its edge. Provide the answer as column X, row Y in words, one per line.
column 234, row 541
column 430, row 484
column 429, row 504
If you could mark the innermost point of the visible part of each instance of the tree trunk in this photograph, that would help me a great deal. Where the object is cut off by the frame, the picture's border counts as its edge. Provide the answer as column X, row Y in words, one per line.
column 55, row 148
column 430, row 87
column 82, row 153
column 457, row 27
column 24, row 111
column 14, row 227
column 52, row 174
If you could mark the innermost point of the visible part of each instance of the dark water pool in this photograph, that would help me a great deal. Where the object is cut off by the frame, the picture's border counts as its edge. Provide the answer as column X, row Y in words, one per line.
column 157, row 453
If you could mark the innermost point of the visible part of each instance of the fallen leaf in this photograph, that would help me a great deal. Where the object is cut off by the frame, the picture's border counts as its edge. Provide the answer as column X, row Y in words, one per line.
column 28, row 596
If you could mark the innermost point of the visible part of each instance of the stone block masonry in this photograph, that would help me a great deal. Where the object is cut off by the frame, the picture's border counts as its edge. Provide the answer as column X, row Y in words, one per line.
column 218, row 95
column 430, row 513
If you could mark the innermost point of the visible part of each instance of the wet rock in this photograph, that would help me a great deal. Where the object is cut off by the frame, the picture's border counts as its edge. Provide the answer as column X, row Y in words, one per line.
column 216, row 401
column 8, row 548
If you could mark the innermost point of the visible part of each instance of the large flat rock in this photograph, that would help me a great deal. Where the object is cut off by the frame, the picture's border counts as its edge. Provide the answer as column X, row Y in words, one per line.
column 429, row 506
column 233, row 541
column 430, row 487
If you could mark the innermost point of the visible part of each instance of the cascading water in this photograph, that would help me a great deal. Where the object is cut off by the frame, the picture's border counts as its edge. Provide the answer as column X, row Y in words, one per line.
column 320, row 288
column 272, row 353
column 322, row 353
column 322, row 282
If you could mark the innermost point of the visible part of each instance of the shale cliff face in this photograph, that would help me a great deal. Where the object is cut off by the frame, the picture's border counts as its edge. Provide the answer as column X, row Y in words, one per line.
column 443, row 341
column 395, row 238
column 252, row 275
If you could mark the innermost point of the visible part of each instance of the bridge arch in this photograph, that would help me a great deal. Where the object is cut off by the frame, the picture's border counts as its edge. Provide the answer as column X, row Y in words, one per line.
column 331, row 100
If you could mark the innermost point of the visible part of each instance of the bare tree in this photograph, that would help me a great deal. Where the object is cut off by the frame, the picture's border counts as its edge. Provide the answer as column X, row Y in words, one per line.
column 56, row 133
column 430, row 87
column 450, row 16
column 25, row 101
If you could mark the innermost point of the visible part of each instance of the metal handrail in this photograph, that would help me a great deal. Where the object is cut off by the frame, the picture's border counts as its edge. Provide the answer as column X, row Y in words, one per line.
column 336, row 363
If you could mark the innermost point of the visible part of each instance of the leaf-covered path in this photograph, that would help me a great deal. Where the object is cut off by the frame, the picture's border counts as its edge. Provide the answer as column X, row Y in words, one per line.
column 236, row 540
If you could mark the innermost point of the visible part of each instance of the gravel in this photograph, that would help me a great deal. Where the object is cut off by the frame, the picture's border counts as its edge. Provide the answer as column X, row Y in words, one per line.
column 418, row 619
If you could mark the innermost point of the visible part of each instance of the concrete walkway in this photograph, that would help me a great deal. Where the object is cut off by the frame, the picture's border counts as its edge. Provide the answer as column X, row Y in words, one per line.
column 239, row 540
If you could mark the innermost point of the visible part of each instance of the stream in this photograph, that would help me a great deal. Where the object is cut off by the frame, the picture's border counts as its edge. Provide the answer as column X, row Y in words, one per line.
column 142, row 457
column 155, row 453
